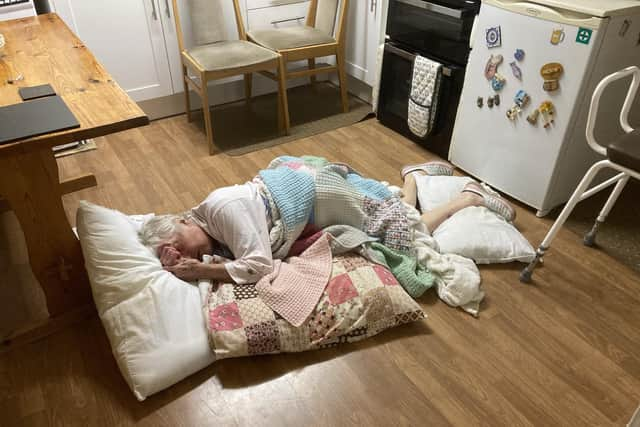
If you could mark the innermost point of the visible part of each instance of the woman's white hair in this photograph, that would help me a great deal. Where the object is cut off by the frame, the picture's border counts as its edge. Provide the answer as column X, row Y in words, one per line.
column 161, row 228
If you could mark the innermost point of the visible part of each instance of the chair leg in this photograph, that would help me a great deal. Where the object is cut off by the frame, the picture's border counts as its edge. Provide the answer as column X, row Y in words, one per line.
column 248, row 83
column 206, row 113
column 282, row 88
column 590, row 237
column 342, row 77
column 187, row 101
column 280, row 112
column 527, row 272
column 312, row 65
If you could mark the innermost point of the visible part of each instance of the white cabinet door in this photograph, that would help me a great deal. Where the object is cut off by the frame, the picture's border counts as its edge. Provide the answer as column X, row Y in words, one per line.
column 127, row 38
column 364, row 33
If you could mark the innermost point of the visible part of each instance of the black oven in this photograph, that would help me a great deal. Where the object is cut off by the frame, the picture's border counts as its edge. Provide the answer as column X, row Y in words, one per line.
column 440, row 27
column 395, row 86
column 439, row 30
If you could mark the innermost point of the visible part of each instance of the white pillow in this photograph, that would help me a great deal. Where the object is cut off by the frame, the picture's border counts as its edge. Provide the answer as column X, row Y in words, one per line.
column 154, row 320
column 434, row 191
column 474, row 232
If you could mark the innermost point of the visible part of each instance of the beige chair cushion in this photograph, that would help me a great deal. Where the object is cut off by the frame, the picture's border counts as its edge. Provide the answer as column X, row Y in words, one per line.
column 207, row 21
column 230, row 54
column 289, row 37
column 326, row 15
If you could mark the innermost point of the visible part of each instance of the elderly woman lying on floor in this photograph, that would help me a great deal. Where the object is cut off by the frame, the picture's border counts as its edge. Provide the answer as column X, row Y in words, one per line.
column 253, row 223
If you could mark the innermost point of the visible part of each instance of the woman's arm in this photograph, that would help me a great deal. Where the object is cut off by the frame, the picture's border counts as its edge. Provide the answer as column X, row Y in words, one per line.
column 190, row 269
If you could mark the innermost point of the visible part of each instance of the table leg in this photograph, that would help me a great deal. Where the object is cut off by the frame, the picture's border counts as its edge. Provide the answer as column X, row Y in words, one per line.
column 31, row 185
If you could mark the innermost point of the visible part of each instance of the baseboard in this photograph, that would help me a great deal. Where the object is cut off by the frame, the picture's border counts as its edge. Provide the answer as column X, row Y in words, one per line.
column 233, row 90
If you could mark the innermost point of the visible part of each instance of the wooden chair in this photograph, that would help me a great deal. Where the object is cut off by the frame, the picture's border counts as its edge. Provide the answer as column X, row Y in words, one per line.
column 315, row 39
column 212, row 59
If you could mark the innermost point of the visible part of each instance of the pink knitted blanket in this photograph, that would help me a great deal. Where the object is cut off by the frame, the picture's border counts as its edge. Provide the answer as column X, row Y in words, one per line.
column 294, row 287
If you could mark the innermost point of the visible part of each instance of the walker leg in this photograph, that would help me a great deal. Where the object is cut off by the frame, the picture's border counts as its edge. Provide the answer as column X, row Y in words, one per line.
column 527, row 272
column 590, row 237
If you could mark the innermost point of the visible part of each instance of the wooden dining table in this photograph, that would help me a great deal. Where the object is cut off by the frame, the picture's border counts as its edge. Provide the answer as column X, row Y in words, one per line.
column 40, row 50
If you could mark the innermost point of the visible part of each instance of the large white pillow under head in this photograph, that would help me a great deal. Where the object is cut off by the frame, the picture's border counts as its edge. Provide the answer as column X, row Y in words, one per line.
column 474, row 232
column 154, row 320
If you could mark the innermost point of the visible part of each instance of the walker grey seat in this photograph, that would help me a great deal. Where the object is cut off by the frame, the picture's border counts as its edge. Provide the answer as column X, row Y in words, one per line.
column 625, row 150
column 622, row 155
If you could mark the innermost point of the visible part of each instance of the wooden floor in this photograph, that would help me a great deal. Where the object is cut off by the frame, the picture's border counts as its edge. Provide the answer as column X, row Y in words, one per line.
column 563, row 351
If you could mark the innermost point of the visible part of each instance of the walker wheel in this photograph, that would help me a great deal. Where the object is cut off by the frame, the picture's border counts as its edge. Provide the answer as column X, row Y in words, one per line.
column 589, row 239
column 525, row 276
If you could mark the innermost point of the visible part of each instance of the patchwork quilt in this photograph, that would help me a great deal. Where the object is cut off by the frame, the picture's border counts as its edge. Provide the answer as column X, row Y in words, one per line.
column 361, row 300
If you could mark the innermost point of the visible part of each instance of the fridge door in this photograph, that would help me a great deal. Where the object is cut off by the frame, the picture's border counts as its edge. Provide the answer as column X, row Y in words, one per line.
column 515, row 156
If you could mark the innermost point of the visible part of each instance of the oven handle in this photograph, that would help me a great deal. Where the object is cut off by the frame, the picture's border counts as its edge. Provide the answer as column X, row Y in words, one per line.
column 446, row 71
column 401, row 53
column 454, row 13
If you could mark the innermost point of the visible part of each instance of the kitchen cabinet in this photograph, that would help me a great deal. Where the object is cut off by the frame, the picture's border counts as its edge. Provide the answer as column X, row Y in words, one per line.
column 276, row 14
column 128, row 38
column 366, row 20
column 136, row 40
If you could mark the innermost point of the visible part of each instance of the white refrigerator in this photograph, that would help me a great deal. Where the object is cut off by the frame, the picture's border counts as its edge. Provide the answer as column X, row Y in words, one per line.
column 537, row 164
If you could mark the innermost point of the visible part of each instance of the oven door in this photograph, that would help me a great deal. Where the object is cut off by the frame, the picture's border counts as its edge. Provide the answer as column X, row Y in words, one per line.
column 393, row 98
column 440, row 27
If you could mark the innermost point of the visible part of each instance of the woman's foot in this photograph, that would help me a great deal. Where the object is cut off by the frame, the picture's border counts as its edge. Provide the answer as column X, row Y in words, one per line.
column 491, row 200
column 433, row 168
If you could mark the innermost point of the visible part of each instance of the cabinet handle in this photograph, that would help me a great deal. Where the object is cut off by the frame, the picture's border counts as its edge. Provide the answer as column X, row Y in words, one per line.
column 374, row 6
column 167, row 8
column 280, row 21
column 154, row 14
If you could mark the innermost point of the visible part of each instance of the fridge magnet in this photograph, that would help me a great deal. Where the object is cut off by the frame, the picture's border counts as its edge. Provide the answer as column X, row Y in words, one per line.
column 533, row 117
column 584, row 35
column 551, row 73
column 521, row 99
column 479, row 102
column 492, row 66
column 496, row 99
column 557, row 36
column 493, row 37
column 547, row 111
column 517, row 72
column 519, row 55
column 512, row 113
column 497, row 82
column 490, row 102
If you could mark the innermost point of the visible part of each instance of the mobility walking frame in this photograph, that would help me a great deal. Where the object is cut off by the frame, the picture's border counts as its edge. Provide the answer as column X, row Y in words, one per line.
column 623, row 155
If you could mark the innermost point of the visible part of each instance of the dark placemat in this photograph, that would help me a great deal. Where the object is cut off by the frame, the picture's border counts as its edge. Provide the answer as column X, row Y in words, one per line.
column 33, row 118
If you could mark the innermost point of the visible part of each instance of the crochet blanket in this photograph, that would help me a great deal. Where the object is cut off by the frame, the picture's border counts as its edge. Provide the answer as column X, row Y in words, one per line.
column 310, row 190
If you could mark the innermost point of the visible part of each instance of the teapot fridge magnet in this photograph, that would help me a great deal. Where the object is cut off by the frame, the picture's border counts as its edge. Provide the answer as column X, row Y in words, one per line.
column 551, row 73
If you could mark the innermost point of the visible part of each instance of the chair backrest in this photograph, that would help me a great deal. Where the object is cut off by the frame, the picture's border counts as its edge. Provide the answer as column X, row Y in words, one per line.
column 207, row 21
column 322, row 15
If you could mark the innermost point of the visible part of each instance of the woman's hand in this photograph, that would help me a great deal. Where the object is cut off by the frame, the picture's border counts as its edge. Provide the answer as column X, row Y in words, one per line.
column 189, row 269
column 169, row 256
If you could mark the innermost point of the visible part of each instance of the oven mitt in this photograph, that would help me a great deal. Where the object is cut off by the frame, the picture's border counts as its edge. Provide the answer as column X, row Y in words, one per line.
column 423, row 99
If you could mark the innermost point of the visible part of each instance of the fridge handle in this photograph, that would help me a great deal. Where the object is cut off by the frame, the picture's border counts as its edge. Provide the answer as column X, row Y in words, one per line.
column 548, row 13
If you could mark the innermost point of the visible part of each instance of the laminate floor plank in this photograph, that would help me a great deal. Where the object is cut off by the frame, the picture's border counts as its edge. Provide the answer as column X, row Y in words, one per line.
column 562, row 351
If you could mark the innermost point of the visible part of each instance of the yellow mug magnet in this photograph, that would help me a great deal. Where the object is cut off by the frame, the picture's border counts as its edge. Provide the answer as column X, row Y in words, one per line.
column 557, row 36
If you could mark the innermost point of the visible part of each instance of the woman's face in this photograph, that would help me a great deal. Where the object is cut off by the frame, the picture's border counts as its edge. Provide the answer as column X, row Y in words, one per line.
column 191, row 241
